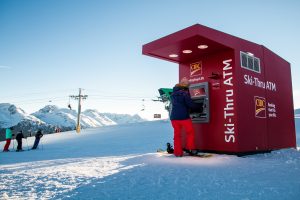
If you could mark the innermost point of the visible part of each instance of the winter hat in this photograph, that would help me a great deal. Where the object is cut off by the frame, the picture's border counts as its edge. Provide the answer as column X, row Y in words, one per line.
column 184, row 81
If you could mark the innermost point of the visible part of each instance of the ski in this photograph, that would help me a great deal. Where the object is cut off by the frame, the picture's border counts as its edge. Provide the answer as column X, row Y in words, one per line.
column 200, row 154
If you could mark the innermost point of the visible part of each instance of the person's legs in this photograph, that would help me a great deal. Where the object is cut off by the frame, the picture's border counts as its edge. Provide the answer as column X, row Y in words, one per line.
column 19, row 147
column 190, row 134
column 7, row 145
column 36, row 142
column 177, row 137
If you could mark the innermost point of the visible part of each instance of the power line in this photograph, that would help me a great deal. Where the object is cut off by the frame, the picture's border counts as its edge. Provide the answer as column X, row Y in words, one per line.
column 35, row 93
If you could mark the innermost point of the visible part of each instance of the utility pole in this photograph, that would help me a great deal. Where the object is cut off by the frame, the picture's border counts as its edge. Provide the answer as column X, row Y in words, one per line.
column 79, row 97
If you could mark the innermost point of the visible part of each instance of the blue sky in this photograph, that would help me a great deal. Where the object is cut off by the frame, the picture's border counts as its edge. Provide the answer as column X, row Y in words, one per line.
column 50, row 48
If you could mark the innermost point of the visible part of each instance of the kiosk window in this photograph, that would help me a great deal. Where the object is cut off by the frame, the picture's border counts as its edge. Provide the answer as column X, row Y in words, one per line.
column 250, row 62
column 256, row 65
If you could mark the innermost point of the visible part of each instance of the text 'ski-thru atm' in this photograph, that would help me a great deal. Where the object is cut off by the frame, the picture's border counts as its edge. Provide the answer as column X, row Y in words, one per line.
column 245, row 88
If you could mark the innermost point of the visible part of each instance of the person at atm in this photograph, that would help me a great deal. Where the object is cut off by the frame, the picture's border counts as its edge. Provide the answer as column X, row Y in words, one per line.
column 180, row 118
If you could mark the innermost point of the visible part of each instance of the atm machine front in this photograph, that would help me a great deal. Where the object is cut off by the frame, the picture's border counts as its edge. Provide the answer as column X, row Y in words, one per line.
column 200, row 94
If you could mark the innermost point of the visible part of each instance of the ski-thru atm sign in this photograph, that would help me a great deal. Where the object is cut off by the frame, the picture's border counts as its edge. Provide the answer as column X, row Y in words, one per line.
column 245, row 88
column 229, row 125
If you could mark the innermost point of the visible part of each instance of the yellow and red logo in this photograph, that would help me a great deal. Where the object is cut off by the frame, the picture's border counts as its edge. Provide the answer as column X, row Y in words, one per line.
column 196, row 69
column 260, row 107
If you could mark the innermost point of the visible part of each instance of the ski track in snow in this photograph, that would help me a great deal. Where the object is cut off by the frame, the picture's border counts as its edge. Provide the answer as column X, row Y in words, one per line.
column 48, row 179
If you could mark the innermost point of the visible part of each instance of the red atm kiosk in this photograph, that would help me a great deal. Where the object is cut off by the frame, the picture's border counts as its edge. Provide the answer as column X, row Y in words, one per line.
column 246, row 90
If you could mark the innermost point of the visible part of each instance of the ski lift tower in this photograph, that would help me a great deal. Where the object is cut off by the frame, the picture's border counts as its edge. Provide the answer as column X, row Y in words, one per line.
column 246, row 90
column 79, row 97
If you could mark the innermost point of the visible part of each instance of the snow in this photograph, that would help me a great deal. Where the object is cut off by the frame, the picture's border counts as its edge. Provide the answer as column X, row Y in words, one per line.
column 52, row 116
column 97, row 118
column 120, row 162
column 124, row 118
column 67, row 118
column 10, row 115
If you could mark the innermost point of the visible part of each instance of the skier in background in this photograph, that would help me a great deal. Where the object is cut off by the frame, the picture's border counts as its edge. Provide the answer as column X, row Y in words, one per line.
column 19, row 138
column 180, row 118
column 8, row 137
column 38, row 136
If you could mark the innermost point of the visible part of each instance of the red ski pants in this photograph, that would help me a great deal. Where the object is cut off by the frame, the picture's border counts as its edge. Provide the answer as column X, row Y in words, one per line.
column 190, row 135
column 7, row 145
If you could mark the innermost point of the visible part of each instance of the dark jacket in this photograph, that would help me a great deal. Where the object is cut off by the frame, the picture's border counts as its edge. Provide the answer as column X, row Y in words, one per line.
column 181, row 103
column 19, row 136
column 38, row 135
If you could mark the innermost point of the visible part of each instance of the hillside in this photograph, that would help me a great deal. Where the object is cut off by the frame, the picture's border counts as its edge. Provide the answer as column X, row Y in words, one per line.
column 51, row 117
column 120, row 162
column 10, row 115
column 66, row 119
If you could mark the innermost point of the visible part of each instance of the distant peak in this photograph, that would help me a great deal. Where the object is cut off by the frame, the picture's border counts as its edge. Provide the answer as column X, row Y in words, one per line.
column 49, row 108
column 90, row 110
column 11, row 108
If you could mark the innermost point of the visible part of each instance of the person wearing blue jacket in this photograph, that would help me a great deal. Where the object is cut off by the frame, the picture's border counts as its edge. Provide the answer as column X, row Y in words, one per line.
column 8, row 137
column 180, row 117
column 38, row 136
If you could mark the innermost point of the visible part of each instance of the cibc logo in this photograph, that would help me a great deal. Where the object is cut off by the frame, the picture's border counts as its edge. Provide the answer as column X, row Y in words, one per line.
column 260, row 107
column 196, row 69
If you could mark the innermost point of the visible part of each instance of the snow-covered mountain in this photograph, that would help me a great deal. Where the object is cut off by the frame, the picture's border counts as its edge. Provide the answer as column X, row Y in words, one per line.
column 66, row 119
column 62, row 118
column 297, row 123
column 297, row 113
column 10, row 115
column 51, row 117
column 98, row 119
column 124, row 118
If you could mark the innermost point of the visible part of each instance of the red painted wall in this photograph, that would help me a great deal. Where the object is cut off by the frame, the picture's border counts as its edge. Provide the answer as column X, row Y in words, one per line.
column 211, row 136
column 252, row 128
column 281, row 128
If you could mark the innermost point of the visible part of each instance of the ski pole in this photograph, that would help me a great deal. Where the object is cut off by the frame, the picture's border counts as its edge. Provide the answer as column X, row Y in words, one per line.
column 42, row 145
column 27, row 144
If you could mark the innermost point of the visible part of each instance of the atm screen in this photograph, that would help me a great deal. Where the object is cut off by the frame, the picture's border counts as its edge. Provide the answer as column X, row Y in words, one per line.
column 197, row 92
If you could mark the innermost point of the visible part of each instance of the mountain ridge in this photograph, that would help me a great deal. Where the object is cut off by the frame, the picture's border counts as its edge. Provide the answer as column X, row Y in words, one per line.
column 51, row 117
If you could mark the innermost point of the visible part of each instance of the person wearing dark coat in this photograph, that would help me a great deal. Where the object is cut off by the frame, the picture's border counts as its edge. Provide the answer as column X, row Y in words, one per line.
column 180, row 116
column 19, row 138
column 38, row 136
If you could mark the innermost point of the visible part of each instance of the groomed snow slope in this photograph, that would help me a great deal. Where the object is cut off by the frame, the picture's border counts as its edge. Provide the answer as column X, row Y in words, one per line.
column 119, row 162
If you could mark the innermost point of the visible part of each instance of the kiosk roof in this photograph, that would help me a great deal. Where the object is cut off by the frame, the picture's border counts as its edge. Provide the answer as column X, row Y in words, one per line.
column 189, row 44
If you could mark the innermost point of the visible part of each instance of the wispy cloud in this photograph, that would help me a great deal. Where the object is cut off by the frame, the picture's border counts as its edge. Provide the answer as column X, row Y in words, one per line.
column 5, row 67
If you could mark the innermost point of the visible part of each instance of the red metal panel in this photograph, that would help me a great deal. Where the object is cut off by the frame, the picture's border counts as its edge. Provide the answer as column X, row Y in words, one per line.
column 190, row 38
column 211, row 136
column 252, row 121
column 280, row 110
